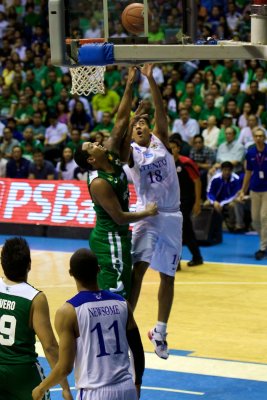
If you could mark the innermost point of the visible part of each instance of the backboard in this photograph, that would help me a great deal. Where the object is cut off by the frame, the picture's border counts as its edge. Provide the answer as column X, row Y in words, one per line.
column 91, row 19
column 75, row 19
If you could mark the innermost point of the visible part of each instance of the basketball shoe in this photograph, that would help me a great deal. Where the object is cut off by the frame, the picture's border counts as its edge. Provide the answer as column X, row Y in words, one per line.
column 159, row 342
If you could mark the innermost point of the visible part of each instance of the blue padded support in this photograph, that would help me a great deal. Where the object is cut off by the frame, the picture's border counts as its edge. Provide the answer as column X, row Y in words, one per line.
column 96, row 54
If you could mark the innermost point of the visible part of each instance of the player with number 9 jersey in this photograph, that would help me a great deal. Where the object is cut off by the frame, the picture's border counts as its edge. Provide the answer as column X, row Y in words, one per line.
column 24, row 313
column 17, row 338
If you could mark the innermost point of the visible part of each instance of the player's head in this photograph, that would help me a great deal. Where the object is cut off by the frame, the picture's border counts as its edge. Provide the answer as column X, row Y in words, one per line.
column 84, row 266
column 227, row 169
column 16, row 259
column 175, row 142
column 141, row 130
column 90, row 156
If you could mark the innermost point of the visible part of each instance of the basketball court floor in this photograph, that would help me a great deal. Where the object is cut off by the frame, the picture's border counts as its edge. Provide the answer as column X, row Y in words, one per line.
column 218, row 326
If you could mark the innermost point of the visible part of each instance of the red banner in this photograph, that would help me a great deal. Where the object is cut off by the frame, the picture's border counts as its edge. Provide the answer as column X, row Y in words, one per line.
column 61, row 203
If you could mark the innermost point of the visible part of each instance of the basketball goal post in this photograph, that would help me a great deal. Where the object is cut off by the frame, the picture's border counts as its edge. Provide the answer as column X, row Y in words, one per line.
column 83, row 53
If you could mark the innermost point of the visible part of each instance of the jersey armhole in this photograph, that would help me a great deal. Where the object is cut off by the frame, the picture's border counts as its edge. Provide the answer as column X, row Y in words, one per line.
column 131, row 159
column 166, row 147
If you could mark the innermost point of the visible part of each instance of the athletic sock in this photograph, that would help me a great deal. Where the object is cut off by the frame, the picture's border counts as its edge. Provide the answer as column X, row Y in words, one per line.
column 161, row 328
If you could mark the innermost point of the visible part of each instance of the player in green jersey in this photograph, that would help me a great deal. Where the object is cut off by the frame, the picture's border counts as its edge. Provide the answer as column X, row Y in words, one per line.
column 108, row 188
column 23, row 313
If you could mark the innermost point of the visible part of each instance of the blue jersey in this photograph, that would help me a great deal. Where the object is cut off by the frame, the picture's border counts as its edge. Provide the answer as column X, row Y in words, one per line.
column 257, row 163
column 102, row 347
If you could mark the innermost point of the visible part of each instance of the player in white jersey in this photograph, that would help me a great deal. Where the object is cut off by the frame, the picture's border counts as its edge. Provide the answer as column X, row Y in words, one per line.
column 96, row 328
column 156, row 242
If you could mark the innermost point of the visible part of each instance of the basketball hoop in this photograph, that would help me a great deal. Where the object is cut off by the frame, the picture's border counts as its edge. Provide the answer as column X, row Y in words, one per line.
column 86, row 79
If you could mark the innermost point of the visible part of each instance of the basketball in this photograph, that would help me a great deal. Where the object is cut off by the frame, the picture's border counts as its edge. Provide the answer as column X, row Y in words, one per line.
column 132, row 18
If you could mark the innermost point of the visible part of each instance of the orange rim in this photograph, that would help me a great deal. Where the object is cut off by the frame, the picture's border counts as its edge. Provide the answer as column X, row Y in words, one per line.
column 85, row 41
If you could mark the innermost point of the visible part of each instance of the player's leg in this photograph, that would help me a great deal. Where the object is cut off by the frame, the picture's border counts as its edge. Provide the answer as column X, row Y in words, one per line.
column 139, row 270
column 165, row 259
column 165, row 297
column 114, row 257
column 143, row 243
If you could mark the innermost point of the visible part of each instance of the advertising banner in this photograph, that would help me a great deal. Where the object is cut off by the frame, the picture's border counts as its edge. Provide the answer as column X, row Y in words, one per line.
column 59, row 203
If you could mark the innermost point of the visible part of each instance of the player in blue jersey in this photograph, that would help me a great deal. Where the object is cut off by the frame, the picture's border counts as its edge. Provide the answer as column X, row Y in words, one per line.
column 96, row 328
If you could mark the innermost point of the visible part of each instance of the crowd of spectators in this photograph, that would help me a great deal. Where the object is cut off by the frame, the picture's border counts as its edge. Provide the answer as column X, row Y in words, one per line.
column 213, row 105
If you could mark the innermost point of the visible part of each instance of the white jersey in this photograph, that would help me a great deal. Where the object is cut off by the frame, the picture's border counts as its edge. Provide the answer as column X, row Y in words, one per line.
column 154, row 176
column 102, row 347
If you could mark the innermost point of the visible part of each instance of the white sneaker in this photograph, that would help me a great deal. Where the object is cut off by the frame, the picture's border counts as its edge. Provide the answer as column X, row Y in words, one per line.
column 159, row 342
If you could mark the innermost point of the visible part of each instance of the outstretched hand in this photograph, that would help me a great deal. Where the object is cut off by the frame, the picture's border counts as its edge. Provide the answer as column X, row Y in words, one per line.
column 147, row 70
column 139, row 113
column 151, row 209
column 140, row 110
column 132, row 72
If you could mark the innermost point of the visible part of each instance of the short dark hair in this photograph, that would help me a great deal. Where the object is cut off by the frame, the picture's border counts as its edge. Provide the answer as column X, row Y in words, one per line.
column 37, row 150
column 227, row 164
column 145, row 117
column 176, row 138
column 199, row 136
column 84, row 266
column 80, row 157
column 16, row 259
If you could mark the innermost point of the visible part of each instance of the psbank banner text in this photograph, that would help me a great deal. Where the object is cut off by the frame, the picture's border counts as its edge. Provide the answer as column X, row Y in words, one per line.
column 64, row 203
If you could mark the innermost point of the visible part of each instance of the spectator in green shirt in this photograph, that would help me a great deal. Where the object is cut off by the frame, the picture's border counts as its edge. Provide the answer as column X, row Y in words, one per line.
column 197, row 101
column 235, row 93
column 155, row 34
column 55, row 81
column 76, row 140
column 106, row 125
column 31, row 19
column 40, row 69
column 32, row 82
column 29, row 144
column 8, row 102
column 208, row 110
column 23, row 113
column 112, row 77
column 229, row 67
column 216, row 67
column 102, row 102
column 176, row 80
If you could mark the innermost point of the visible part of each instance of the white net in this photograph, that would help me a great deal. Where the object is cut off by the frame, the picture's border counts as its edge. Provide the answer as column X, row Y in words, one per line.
column 87, row 79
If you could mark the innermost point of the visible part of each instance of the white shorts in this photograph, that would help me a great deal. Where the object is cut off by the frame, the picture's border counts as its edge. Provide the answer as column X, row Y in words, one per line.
column 158, row 241
column 119, row 391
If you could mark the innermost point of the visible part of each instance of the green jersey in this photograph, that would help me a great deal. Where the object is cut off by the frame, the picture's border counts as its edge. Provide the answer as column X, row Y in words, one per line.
column 119, row 183
column 17, row 338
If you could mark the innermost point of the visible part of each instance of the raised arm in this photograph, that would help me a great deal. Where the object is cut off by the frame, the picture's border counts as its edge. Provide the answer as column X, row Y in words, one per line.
column 161, row 121
column 123, row 115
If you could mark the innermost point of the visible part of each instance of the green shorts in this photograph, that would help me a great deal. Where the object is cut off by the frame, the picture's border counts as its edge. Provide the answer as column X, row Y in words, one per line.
column 18, row 380
column 113, row 251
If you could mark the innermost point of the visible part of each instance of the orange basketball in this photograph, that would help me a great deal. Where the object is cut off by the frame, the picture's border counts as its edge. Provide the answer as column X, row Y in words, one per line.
column 132, row 18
